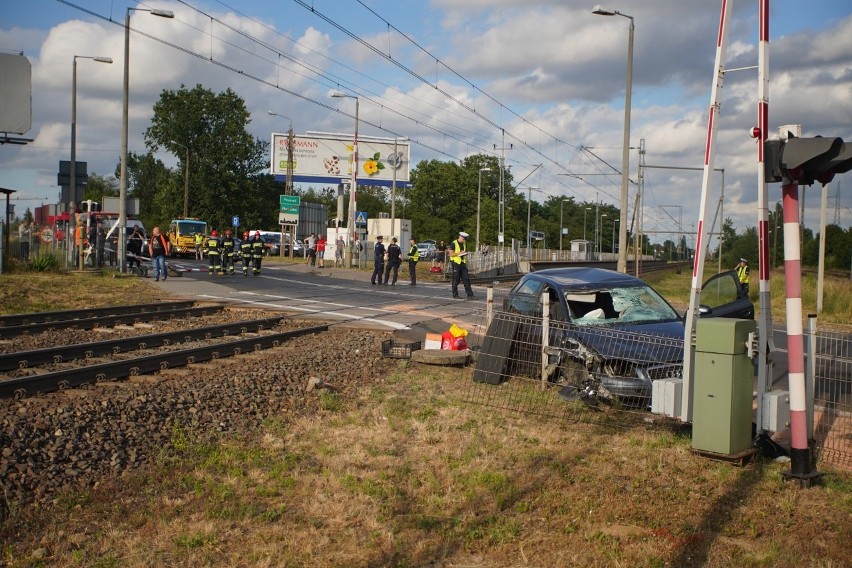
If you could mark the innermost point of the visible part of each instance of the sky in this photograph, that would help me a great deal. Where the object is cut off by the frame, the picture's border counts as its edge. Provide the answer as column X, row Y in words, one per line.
column 539, row 83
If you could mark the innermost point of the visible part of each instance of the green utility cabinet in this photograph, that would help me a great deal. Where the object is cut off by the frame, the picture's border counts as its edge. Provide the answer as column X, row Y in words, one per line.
column 724, row 382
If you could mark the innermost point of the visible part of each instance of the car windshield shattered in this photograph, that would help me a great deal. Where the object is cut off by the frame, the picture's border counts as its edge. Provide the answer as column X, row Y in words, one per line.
column 619, row 305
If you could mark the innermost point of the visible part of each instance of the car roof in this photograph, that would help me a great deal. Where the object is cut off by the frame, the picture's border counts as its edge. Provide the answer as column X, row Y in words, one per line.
column 583, row 277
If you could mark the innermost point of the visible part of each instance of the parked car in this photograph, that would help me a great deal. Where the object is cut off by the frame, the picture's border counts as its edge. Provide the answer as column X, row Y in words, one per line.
column 426, row 250
column 613, row 334
column 298, row 248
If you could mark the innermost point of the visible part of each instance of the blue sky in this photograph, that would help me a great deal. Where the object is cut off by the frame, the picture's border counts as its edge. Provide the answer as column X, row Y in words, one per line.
column 549, row 74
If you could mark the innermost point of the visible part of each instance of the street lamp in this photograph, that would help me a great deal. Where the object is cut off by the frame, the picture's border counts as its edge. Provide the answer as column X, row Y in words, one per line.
column 72, row 198
column 479, row 203
column 625, row 151
column 185, row 180
column 584, row 222
column 122, row 186
column 614, row 222
column 352, row 191
column 561, row 203
column 288, row 187
column 529, row 202
column 599, row 237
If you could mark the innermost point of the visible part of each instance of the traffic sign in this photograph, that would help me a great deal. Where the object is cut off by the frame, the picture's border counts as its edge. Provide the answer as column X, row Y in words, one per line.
column 283, row 219
column 289, row 212
column 360, row 218
column 235, row 221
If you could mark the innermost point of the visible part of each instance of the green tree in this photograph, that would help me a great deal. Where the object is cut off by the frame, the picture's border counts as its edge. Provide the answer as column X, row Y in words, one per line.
column 227, row 166
column 98, row 187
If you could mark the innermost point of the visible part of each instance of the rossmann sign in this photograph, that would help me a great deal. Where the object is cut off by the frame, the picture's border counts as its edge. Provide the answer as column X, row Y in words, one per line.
column 328, row 158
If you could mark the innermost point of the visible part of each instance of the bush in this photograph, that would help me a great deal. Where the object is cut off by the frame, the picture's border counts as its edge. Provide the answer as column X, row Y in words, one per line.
column 45, row 262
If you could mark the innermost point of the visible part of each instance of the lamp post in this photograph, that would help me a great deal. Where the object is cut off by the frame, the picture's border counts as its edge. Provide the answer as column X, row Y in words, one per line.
column 561, row 203
column 529, row 202
column 614, row 223
column 479, row 203
column 397, row 162
column 185, row 180
column 625, row 151
column 352, row 192
column 600, row 235
column 122, row 186
column 72, row 198
column 584, row 222
column 288, row 185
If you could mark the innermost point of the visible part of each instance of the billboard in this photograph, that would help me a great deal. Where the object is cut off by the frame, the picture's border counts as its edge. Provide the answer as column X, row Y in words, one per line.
column 327, row 158
column 16, row 94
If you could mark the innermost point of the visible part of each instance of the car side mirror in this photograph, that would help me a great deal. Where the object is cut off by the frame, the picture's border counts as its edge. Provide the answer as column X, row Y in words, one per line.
column 704, row 310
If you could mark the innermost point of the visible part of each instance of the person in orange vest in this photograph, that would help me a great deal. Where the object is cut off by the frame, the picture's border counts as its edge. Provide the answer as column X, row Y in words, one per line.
column 159, row 247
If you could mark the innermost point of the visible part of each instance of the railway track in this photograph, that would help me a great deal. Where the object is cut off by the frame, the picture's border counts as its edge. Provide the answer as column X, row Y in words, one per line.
column 83, row 362
column 37, row 323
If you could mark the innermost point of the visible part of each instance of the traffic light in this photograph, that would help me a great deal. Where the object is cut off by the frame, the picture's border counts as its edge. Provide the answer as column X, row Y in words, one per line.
column 805, row 160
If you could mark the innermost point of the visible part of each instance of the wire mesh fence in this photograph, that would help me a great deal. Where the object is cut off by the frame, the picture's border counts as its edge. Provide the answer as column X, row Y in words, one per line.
column 542, row 365
column 832, row 400
column 537, row 364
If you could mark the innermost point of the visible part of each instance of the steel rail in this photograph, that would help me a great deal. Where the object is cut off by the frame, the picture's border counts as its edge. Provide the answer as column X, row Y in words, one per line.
column 66, row 353
column 108, row 321
column 64, row 315
column 26, row 386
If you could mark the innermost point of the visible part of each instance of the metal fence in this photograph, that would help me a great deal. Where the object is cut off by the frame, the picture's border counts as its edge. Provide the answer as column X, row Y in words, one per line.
column 539, row 365
column 830, row 391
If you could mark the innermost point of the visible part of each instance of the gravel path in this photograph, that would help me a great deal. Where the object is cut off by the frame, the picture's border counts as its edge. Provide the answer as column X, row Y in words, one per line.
column 76, row 438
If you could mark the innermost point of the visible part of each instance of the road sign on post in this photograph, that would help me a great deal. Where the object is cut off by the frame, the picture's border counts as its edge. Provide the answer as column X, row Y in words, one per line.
column 289, row 210
column 360, row 218
column 235, row 221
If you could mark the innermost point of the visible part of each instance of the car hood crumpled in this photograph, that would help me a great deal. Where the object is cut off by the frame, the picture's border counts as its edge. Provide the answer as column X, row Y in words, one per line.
column 649, row 343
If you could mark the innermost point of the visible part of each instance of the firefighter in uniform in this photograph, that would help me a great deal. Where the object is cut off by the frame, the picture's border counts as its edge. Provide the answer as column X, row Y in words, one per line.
column 227, row 253
column 214, row 251
column 458, row 260
column 245, row 252
column 413, row 257
column 257, row 252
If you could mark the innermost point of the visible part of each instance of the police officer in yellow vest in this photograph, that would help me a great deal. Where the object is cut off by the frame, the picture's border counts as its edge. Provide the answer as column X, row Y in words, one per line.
column 458, row 262
column 743, row 274
column 413, row 257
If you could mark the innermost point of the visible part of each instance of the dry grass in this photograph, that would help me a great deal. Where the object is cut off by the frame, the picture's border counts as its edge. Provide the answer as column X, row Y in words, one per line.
column 836, row 307
column 408, row 474
column 38, row 291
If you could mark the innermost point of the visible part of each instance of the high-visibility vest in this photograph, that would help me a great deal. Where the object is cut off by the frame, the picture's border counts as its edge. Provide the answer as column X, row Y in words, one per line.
column 414, row 253
column 213, row 246
column 459, row 247
column 742, row 274
column 257, row 247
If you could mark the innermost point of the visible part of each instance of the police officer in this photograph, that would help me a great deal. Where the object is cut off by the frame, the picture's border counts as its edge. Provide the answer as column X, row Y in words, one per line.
column 227, row 253
column 245, row 252
column 378, row 261
column 394, row 260
column 214, row 253
column 458, row 261
column 413, row 257
column 199, row 246
column 743, row 274
column 257, row 252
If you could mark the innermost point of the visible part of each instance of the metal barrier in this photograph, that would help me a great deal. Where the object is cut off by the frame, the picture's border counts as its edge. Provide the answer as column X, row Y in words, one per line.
column 536, row 364
column 831, row 394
